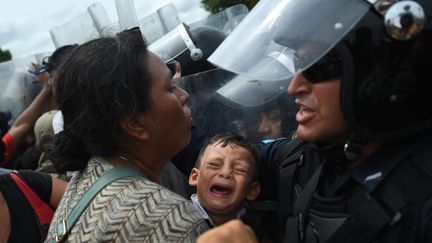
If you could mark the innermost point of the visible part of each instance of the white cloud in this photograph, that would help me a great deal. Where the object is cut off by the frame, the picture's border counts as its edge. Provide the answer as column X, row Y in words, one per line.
column 7, row 31
column 38, row 43
column 25, row 24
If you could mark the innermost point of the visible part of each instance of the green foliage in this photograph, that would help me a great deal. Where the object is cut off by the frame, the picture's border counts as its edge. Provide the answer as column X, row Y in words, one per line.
column 5, row 55
column 215, row 6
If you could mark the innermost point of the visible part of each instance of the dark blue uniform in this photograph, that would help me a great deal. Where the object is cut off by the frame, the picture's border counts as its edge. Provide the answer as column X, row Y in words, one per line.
column 336, row 186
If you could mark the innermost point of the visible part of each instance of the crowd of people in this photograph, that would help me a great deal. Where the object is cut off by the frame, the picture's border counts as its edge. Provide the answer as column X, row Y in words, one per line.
column 129, row 146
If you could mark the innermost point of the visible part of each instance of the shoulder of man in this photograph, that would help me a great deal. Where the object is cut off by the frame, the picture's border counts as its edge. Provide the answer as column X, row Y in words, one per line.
column 269, row 147
column 277, row 150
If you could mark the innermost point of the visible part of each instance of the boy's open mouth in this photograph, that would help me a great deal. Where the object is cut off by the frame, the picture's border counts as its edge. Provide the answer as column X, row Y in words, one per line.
column 220, row 190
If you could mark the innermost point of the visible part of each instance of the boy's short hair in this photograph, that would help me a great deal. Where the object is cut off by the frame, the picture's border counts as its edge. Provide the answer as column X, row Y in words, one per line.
column 233, row 138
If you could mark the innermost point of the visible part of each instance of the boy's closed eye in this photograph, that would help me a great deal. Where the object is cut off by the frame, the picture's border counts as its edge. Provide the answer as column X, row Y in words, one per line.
column 241, row 169
column 214, row 164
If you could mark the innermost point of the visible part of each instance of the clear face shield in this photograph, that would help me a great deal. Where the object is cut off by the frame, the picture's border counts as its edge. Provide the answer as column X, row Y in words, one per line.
column 246, row 92
column 180, row 38
column 95, row 23
column 225, row 20
column 279, row 38
column 222, row 101
column 175, row 43
column 16, row 80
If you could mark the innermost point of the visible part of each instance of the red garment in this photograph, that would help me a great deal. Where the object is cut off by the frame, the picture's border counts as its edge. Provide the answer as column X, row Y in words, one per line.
column 23, row 217
column 9, row 147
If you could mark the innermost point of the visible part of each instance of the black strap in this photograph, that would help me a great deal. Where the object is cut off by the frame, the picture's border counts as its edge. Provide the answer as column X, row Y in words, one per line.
column 63, row 228
column 287, row 175
column 305, row 198
column 288, row 159
column 292, row 149
column 300, row 211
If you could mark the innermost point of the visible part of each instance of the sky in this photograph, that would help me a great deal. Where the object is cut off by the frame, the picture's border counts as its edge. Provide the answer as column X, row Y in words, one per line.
column 25, row 24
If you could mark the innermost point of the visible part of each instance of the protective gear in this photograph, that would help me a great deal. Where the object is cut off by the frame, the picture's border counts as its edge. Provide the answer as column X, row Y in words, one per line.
column 217, row 105
column 95, row 23
column 127, row 14
column 206, row 40
column 274, row 47
column 192, row 44
column 381, row 207
column 246, row 92
column 209, row 112
column 174, row 43
column 225, row 20
column 200, row 42
column 385, row 50
column 16, row 81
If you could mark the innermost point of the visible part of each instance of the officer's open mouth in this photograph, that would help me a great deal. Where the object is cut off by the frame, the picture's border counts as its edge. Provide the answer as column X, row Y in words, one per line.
column 220, row 190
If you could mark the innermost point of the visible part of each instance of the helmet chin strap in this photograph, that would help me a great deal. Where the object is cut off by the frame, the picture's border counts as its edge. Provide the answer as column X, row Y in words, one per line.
column 354, row 146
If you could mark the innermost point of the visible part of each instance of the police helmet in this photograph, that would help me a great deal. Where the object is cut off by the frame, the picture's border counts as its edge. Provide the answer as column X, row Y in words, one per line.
column 206, row 40
column 380, row 49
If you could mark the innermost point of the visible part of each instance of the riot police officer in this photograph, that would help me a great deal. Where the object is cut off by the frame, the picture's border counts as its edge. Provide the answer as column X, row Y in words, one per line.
column 358, row 169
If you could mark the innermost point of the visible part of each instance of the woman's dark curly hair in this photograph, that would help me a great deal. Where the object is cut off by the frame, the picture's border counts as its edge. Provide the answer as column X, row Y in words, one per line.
column 103, row 81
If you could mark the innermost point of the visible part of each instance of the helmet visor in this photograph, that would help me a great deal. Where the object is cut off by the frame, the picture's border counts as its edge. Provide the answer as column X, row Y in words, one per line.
column 222, row 101
column 171, row 44
column 246, row 92
column 279, row 38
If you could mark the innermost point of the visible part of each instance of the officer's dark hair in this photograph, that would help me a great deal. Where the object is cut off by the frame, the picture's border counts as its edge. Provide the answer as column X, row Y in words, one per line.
column 233, row 138
column 103, row 82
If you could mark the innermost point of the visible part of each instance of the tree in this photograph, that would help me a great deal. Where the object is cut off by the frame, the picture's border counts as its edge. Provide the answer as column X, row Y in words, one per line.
column 5, row 55
column 215, row 6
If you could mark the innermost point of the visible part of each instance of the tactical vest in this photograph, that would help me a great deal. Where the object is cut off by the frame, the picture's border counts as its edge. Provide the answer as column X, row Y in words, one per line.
column 390, row 213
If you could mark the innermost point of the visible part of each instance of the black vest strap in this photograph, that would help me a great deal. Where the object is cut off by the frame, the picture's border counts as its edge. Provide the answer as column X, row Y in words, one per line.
column 288, row 158
column 301, row 206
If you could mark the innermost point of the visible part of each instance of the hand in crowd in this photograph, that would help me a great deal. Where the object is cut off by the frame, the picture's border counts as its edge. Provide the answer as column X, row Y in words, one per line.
column 44, row 77
column 232, row 232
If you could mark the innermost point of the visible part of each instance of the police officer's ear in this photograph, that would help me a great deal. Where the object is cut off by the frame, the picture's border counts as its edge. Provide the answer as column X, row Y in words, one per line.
column 253, row 192
column 135, row 126
column 193, row 177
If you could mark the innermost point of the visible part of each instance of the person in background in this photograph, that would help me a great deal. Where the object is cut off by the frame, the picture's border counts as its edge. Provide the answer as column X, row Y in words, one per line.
column 278, row 118
column 21, row 148
column 24, row 123
column 50, row 65
column 44, row 135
